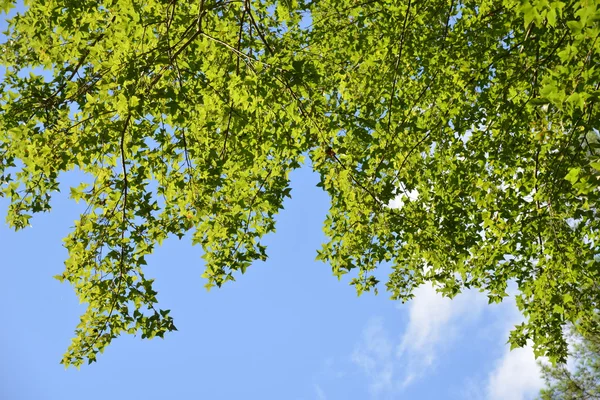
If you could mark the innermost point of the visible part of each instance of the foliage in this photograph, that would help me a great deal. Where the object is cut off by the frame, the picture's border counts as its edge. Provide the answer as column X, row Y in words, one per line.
column 582, row 381
column 189, row 117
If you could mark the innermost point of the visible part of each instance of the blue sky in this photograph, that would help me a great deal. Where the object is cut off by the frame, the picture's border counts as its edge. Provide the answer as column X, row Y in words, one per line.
column 287, row 329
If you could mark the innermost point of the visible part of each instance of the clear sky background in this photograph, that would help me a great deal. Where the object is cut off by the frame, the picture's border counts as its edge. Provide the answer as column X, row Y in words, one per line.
column 287, row 329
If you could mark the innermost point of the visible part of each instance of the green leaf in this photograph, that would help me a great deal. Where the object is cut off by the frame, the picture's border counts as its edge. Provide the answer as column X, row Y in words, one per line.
column 574, row 26
column 573, row 175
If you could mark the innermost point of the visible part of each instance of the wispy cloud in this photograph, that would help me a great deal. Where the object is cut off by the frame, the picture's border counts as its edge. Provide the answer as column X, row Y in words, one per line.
column 391, row 363
column 320, row 393
column 332, row 369
column 375, row 355
column 434, row 322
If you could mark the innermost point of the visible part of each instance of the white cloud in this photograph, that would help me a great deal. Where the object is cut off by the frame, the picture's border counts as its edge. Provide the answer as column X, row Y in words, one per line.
column 434, row 322
column 516, row 377
column 517, row 374
column 398, row 201
column 392, row 363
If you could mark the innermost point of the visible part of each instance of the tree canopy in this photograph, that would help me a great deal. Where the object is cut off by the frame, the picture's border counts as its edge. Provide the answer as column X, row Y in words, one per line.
column 188, row 117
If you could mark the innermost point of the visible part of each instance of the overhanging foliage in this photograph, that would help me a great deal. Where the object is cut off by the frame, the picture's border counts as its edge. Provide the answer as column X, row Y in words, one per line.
column 189, row 116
